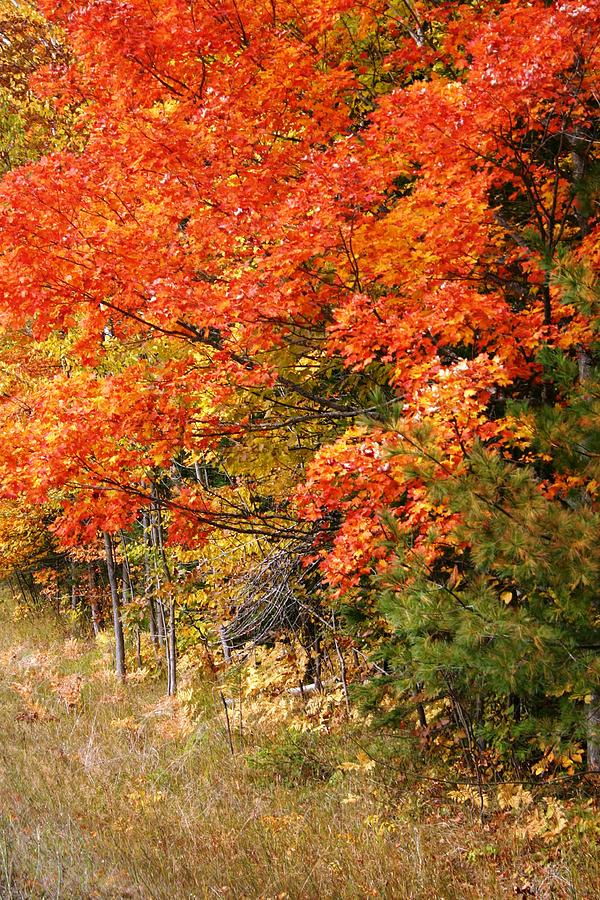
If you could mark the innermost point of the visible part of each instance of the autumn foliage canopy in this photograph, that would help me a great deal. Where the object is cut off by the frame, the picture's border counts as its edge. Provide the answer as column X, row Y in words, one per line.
column 322, row 274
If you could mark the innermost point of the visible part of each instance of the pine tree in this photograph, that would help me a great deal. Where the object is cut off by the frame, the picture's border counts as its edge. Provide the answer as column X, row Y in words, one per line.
column 501, row 612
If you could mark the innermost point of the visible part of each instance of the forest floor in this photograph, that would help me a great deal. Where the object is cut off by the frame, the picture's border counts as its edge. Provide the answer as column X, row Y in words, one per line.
column 111, row 791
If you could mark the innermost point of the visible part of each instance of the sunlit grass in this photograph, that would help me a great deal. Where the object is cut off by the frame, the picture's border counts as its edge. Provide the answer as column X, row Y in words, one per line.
column 112, row 792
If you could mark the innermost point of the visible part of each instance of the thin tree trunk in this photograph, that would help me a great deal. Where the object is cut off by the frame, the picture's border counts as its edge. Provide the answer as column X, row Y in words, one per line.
column 138, row 647
column 127, row 584
column 12, row 588
column 593, row 733
column 593, row 708
column 96, row 617
column 74, row 591
column 124, row 592
column 313, row 648
column 128, row 591
column 117, row 623
column 342, row 664
column 22, row 586
column 155, row 543
column 162, row 623
column 171, row 643
column 581, row 146
column 148, row 580
column 28, row 587
column 224, row 644
column 201, row 474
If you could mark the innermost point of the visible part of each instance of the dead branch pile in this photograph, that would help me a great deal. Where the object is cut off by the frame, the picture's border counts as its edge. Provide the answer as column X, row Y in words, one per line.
column 266, row 599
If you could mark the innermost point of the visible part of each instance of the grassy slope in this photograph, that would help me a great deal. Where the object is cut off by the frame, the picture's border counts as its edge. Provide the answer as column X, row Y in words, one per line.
column 114, row 793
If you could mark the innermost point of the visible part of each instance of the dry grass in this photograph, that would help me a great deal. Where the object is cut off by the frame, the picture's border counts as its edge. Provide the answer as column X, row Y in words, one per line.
column 114, row 793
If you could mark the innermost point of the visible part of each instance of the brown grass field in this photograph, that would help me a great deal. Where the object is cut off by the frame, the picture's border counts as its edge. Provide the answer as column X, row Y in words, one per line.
column 113, row 792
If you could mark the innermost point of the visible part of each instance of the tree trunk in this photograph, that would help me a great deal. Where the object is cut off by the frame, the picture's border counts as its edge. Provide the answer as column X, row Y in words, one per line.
column 155, row 544
column 148, row 580
column 117, row 623
column 128, row 591
column 171, row 642
column 172, row 651
column 138, row 647
column 581, row 147
column 225, row 644
column 27, row 585
column 74, row 589
column 593, row 708
column 21, row 583
column 95, row 607
column 593, row 733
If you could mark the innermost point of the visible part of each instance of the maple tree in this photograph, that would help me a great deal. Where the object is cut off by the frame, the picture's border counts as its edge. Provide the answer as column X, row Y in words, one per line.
column 30, row 125
column 293, row 274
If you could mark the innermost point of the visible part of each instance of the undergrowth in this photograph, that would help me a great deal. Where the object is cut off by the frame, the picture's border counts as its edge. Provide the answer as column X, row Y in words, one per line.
column 112, row 791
